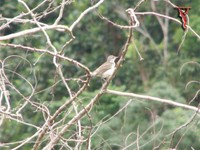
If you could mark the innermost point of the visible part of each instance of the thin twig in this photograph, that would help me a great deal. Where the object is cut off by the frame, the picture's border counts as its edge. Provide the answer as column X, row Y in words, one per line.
column 151, row 98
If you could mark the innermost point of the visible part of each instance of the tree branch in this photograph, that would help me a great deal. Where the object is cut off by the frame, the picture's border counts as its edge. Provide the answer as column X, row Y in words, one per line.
column 151, row 98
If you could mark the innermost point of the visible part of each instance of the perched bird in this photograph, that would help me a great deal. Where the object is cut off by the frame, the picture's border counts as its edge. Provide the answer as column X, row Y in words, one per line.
column 106, row 69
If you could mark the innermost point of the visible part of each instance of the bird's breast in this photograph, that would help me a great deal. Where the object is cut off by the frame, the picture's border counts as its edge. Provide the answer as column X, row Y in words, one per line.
column 109, row 72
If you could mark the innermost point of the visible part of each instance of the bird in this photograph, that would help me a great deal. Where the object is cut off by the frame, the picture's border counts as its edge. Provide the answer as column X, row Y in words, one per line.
column 106, row 69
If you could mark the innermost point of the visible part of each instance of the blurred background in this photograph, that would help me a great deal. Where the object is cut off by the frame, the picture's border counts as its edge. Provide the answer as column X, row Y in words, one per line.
column 164, row 73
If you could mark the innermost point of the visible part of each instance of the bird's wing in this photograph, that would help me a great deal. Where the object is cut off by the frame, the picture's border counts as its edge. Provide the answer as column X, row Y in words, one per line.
column 103, row 68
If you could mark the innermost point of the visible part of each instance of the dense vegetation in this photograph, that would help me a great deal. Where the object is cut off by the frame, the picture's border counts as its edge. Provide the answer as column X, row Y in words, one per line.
column 164, row 73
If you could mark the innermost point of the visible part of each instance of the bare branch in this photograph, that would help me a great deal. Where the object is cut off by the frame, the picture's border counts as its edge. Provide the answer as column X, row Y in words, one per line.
column 84, row 13
column 151, row 98
column 34, row 30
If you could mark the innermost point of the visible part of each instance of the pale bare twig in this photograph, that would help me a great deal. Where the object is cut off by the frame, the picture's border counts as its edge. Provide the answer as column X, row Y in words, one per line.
column 52, row 9
column 170, row 18
column 58, row 111
column 45, row 33
column 127, row 137
column 190, row 82
column 184, row 125
column 73, row 103
column 189, row 62
column 138, row 133
column 21, row 15
column 32, row 49
column 195, row 96
column 137, row 50
column 141, row 136
column 84, row 13
column 3, row 90
column 60, row 13
column 164, row 24
column 151, row 98
column 34, row 30
column 184, row 36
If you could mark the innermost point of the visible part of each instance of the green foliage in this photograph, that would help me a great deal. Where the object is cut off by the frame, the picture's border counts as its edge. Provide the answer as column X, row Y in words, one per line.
column 95, row 40
column 188, row 133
